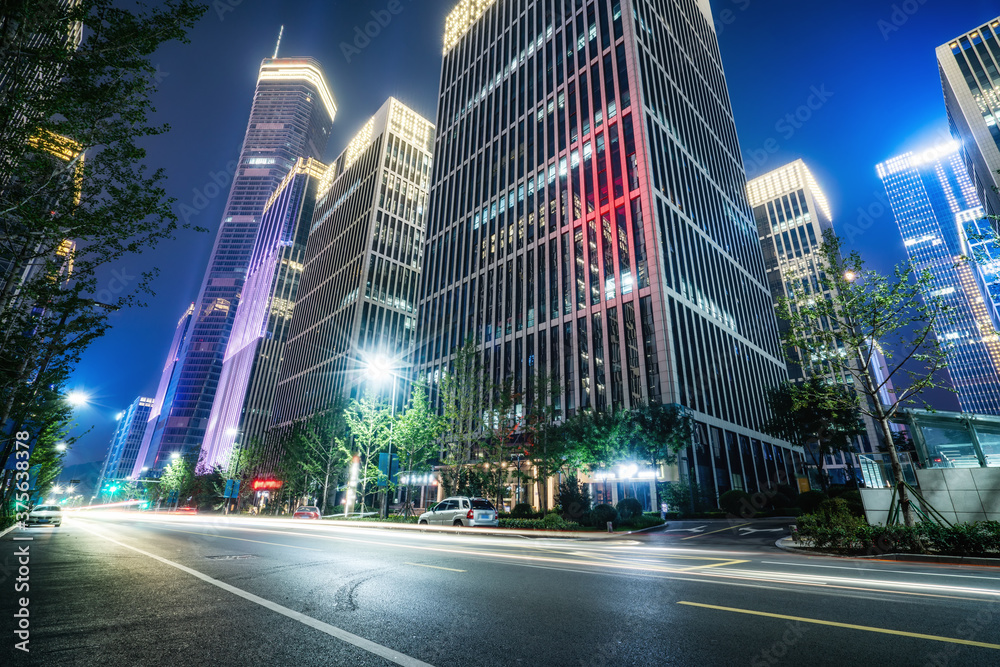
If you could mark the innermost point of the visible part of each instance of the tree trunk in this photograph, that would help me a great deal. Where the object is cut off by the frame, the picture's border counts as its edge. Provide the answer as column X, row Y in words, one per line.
column 897, row 468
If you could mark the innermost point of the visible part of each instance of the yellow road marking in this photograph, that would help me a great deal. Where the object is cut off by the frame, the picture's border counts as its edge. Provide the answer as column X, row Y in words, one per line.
column 691, row 537
column 436, row 567
column 241, row 539
column 849, row 626
column 722, row 564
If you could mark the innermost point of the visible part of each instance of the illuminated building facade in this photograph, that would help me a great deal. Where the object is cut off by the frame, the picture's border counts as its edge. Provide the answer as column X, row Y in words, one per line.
column 242, row 408
column 292, row 115
column 157, row 419
column 361, row 276
column 589, row 220
column 792, row 213
column 970, row 77
column 937, row 210
column 127, row 441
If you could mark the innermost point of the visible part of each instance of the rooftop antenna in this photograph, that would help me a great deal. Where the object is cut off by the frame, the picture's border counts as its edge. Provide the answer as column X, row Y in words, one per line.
column 278, row 45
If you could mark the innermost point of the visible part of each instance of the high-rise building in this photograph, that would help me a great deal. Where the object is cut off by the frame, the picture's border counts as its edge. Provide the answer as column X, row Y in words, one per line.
column 126, row 442
column 242, row 408
column 792, row 214
column 589, row 220
column 292, row 115
column 938, row 213
column 969, row 66
column 157, row 419
column 357, row 298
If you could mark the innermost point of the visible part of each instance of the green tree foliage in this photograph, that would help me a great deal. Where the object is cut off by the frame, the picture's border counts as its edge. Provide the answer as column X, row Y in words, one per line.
column 857, row 312
column 462, row 393
column 178, row 476
column 321, row 449
column 416, row 435
column 368, row 421
column 75, row 86
column 821, row 417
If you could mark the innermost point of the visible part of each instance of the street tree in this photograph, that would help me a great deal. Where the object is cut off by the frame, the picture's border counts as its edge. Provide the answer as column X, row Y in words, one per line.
column 821, row 417
column 416, row 435
column 462, row 395
column 322, row 449
column 368, row 420
column 76, row 193
column 852, row 315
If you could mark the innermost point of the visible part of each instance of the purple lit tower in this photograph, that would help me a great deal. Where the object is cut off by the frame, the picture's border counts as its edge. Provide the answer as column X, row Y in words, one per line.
column 292, row 115
column 242, row 408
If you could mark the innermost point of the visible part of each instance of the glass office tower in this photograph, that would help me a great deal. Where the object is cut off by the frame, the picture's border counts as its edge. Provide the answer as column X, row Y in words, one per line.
column 292, row 115
column 937, row 210
column 361, row 275
column 792, row 213
column 970, row 77
column 242, row 408
column 157, row 418
column 589, row 219
column 126, row 442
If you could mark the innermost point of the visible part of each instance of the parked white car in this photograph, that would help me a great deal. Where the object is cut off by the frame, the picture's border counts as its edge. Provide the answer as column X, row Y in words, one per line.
column 460, row 511
column 45, row 515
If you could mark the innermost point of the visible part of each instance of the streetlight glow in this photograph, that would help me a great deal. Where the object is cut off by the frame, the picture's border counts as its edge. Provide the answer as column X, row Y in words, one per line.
column 175, row 455
column 850, row 276
column 77, row 398
column 60, row 446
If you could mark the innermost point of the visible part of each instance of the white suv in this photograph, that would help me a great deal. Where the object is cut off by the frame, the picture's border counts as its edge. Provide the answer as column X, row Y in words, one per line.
column 460, row 511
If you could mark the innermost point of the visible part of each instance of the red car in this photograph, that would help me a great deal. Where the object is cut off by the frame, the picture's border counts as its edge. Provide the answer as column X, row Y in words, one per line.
column 306, row 512
column 185, row 510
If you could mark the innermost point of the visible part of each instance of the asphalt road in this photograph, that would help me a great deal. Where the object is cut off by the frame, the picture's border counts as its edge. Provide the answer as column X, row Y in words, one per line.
column 131, row 590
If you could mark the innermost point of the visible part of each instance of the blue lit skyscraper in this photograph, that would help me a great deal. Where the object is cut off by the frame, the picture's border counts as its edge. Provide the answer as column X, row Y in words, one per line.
column 242, row 408
column 292, row 115
column 125, row 443
column 938, row 213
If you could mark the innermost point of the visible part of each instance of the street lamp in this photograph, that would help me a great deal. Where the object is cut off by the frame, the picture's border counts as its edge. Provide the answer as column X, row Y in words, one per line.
column 77, row 398
column 381, row 369
column 61, row 447
column 174, row 456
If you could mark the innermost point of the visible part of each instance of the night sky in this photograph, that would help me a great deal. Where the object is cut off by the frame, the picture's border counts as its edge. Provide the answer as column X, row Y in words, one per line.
column 872, row 62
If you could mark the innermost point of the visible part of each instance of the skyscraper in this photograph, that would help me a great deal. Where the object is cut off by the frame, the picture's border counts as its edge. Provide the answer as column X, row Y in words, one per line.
column 357, row 299
column 242, row 408
column 293, row 112
column 124, row 450
column 792, row 214
column 969, row 66
column 157, row 419
column 589, row 219
column 937, row 210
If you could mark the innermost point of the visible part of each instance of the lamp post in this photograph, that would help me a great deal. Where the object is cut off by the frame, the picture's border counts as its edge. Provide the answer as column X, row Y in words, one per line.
column 380, row 368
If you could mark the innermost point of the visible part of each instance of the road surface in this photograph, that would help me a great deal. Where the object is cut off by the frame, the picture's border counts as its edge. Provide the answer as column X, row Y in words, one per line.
column 130, row 589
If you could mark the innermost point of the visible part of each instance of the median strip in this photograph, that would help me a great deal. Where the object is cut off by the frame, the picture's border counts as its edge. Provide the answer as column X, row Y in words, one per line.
column 343, row 635
column 849, row 626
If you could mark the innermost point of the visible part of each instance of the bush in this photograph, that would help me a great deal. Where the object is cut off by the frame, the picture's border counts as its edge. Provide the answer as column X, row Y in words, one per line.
column 628, row 508
column 735, row 502
column 853, row 500
column 574, row 499
column 554, row 523
column 646, row 521
column 832, row 526
column 522, row 511
column 603, row 513
column 810, row 501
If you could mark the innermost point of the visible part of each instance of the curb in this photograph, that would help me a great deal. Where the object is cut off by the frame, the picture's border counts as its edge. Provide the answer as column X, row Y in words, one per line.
column 7, row 530
column 907, row 558
column 502, row 532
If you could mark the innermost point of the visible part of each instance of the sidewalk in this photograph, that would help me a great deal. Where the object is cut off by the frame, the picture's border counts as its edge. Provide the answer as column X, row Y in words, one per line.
column 787, row 544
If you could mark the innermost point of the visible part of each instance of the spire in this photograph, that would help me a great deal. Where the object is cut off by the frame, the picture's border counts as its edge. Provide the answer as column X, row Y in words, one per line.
column 278, row 45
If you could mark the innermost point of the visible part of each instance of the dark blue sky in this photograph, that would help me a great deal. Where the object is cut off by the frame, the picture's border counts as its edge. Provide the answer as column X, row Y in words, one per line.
column 872, row 62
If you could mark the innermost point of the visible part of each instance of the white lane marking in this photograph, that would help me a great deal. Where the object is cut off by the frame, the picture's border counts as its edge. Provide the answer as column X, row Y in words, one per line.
column 436, row 567
column 875, row 570
column 333, row 631
column 748, row 531
column 699, row 529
